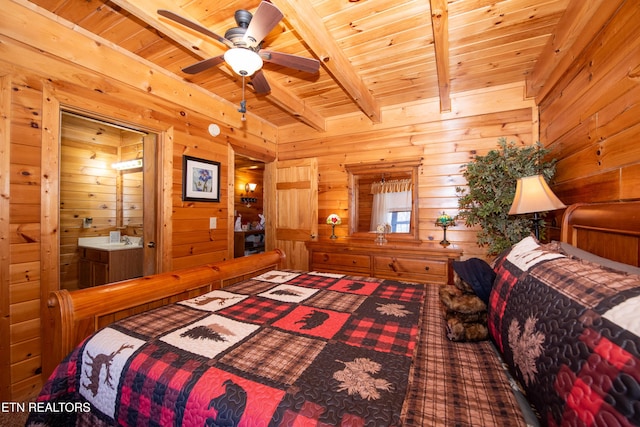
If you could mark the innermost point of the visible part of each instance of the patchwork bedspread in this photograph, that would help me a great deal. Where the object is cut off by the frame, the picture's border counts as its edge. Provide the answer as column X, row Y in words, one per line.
column 284, row 348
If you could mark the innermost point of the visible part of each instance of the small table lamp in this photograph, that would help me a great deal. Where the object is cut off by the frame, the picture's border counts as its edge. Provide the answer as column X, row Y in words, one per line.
column 533, row 195
column 333, row 220
column 445, row 221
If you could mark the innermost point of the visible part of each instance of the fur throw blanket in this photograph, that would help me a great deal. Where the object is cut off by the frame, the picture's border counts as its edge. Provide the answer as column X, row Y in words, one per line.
column 464, row 312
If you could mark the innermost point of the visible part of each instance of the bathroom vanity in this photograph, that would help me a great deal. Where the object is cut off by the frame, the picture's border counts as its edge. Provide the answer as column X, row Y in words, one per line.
column 102, row 262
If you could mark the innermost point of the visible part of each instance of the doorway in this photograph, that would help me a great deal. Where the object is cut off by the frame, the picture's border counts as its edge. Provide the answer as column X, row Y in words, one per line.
column 249, row 221
column 108, row 202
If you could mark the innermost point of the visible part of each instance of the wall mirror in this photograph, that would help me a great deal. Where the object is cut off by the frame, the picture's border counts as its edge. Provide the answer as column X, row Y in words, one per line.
column 384, row 193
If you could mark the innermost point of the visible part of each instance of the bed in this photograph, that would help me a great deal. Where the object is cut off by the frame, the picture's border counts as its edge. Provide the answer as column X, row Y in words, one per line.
column 289, row 348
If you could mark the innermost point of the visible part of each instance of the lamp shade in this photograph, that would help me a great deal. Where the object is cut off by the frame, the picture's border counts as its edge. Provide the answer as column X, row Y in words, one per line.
column 243, row 61
column 534, row 195
column 334, row 219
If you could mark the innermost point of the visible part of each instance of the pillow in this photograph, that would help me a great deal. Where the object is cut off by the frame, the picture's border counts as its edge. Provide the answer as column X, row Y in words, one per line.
column 573, row 252
column 569, row 333
column 477, row 274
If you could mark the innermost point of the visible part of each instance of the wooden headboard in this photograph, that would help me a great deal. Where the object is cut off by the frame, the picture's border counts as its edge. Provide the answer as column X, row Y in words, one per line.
column 610, row 230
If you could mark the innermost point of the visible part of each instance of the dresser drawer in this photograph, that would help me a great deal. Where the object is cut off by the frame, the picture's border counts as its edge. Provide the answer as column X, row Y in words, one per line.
column 340, row 262
column 411, row 269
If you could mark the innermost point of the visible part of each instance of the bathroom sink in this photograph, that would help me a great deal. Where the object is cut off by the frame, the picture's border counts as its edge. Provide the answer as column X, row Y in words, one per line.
column 103, row 243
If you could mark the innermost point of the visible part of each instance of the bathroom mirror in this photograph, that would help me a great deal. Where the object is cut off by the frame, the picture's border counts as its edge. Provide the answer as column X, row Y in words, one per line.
column 384, row 194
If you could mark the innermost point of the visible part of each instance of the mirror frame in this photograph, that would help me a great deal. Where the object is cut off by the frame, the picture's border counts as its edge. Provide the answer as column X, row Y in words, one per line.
column 411, row 167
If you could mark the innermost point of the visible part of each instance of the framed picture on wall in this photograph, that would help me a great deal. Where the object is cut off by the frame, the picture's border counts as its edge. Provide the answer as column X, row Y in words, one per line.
column 200, row 180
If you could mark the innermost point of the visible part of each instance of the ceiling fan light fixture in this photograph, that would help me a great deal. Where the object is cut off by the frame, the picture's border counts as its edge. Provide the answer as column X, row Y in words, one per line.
column 244, row 62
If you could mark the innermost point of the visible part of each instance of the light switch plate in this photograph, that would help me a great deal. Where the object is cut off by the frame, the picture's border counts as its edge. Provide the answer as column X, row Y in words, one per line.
column 213, row 223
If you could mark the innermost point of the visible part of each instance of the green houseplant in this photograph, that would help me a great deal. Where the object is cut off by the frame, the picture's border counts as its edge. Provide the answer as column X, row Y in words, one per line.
column 491, row 187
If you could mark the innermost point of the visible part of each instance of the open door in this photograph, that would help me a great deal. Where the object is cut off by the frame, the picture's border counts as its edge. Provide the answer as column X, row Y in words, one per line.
column 151, row 205
column 292, row 214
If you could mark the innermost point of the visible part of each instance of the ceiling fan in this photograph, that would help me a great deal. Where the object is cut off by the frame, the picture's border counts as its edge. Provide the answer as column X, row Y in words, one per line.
column 245, row 54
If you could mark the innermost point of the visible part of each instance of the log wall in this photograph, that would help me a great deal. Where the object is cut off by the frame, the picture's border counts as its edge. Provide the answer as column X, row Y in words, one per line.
column 34, row 84
column 444, row 141
column 590, row 117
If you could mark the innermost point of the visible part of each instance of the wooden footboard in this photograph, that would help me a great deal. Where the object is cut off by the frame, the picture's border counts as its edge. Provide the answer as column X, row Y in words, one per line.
column 73, row 316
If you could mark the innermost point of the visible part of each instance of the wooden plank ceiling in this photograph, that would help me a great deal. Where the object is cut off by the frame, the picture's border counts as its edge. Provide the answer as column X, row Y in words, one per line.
column 373, row 53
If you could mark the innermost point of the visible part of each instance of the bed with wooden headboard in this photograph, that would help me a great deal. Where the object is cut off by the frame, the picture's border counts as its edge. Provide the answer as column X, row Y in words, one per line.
column 609, row 230
column 444, row 382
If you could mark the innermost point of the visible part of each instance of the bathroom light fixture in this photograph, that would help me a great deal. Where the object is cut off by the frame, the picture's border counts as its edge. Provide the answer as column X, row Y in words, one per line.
column 533, row 195
column 250, row 187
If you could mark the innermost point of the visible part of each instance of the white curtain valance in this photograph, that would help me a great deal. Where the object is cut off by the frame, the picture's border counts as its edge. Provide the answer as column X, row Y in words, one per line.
column 393, row 186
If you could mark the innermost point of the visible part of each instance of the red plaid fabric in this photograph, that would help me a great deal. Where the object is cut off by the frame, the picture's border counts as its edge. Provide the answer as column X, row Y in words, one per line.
column 153, row 386
column 503, row 285
column 256, row 310
column 395, row 291
column 390, row 337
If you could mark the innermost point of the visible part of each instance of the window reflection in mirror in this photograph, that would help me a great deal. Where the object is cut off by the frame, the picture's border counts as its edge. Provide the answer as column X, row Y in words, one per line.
column 384, row 194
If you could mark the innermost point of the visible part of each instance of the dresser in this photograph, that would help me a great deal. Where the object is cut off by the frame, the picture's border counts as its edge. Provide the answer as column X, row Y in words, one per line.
column 416, row 262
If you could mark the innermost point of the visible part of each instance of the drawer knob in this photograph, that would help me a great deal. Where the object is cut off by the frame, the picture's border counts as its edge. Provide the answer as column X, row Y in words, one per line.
column 392, row 266
column 325, row 257
column 426, row 268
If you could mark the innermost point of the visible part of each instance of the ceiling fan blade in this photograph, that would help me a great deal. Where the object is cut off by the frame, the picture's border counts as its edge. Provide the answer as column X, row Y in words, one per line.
column 264, row 20
column 260, row 83
column 205, row 64
column 194, row 26
column 296, row 62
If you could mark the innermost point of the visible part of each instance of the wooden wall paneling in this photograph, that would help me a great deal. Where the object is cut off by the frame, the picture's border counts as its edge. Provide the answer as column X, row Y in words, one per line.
column 594, row 74
column 5, row 234
column 445, row 147
column 602, row 186
column 24, row 378
column 577, row 27
column 24, row 248
column 629, row 182
column 26, row 283
column 589, row 118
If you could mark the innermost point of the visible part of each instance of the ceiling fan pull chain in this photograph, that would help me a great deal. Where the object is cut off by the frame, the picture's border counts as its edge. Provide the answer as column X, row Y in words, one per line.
column 243, row 103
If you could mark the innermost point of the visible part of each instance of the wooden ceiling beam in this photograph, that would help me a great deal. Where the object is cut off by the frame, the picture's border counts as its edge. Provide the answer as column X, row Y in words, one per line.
column 304, row 19
column 146, row 10
column 65, row 42
column 440, row 28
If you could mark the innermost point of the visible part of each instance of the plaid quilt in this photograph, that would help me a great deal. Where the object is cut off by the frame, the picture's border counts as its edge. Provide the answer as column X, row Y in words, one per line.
column 569, row 330
column 284, row 348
